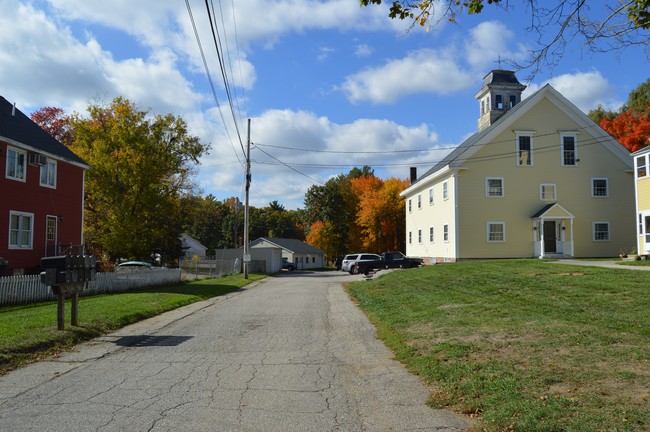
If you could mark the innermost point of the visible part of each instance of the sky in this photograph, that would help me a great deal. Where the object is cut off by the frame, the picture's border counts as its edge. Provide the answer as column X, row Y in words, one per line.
column 327, row 85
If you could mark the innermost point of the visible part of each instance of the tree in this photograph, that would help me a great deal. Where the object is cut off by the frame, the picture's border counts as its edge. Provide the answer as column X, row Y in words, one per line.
column 630, row 129
column 324, row 236
column 612, row 27
column 56, row 122
column 336, row 203
column 639, row 98
column 203, row 218
column 600, row 113
column 275, row 221
column 381, row 212
column 140, row 167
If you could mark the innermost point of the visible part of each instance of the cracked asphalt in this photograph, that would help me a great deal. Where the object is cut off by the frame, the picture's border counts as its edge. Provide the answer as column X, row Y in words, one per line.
column 291, row 353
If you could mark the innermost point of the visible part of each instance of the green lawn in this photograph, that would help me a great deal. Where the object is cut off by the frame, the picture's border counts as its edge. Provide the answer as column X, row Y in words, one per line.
column 523, row 345
column 29, row 332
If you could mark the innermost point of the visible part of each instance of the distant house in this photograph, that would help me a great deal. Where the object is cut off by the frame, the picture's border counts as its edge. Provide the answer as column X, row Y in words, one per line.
column 642, row 195
column 538, row 179
column 41, row 190
column 304, row 256
column 192, row 247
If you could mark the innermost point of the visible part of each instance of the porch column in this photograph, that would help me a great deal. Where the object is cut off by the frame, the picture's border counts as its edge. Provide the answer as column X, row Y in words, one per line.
column 572, row 253
column 541, row 237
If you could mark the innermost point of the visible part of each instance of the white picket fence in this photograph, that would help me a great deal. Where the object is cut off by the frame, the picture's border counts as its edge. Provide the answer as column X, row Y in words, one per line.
column 15, row 290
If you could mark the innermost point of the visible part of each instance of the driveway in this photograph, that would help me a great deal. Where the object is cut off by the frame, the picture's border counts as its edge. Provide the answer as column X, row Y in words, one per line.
column 291, row 353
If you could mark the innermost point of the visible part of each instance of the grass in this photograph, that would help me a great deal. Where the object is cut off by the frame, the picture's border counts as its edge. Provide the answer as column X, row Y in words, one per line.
column 522, row 345
column 29, row 333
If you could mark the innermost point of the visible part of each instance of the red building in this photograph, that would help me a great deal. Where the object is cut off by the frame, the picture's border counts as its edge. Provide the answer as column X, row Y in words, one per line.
column 41, row 193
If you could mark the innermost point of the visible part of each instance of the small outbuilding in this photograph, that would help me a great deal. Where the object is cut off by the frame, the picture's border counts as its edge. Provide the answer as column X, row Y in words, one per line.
column 303, row 255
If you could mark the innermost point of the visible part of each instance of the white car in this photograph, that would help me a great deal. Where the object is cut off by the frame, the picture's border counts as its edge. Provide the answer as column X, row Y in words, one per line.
column 347, row 260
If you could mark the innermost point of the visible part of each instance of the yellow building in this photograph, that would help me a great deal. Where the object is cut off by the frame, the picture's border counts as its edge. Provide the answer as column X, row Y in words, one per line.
column 642, row 195
column 538, row 179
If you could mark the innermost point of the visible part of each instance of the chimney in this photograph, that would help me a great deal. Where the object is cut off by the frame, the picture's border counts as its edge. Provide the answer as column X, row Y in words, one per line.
column 13, row 110
column 414, row 174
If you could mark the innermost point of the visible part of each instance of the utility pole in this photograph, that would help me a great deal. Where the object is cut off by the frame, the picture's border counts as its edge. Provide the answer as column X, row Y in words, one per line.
column 247, row 255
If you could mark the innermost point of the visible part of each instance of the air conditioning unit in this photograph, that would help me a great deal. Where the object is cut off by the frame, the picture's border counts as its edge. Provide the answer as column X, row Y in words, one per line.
column 37, row 159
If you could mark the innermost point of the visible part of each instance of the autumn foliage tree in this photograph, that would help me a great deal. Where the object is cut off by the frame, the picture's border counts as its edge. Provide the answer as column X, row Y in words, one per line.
column 141, row 164
column 56, row 122
column 630, row 129
column 381, row 212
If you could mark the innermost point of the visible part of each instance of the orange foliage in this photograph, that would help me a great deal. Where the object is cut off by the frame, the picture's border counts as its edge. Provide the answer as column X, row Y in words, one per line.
column 631, row 129
column 323, row 236
column 381, row 212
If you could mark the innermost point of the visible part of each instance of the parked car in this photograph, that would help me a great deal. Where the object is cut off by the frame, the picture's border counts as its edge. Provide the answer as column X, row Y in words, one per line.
column 288, row 265
column 134, row 265
column 347, row 261
column 362, row 258
column 386, row 260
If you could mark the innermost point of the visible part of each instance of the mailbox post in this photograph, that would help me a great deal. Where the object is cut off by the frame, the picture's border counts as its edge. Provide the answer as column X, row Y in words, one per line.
column 67, row 275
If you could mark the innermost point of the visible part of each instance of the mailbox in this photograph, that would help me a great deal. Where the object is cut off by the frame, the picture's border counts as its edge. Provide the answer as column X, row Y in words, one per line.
column 67, row 275
column 67, row 269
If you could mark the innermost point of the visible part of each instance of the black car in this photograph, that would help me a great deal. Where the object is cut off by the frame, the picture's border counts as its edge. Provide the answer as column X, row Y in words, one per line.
column 338, row 262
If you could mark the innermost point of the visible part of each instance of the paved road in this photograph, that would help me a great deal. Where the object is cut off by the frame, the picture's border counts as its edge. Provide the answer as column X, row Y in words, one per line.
column 290, row 354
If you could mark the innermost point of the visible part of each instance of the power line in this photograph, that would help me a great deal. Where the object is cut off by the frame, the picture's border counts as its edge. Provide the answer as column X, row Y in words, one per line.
column 290, row 167
column 209, row 75
column 224, row 75
column 508, row 154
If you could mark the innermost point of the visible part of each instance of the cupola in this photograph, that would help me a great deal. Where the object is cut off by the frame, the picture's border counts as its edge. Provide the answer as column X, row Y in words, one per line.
column 501, row 91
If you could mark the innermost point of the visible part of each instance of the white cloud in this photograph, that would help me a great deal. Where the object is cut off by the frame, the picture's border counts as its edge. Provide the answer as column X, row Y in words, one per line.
column 586, row 90
column 490, row 42
column 422, row 71
column 363, row 50
column 324, row 52
column 306, row 149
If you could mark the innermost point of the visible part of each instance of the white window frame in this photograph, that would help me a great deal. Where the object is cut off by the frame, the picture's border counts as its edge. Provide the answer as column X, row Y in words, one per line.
column 593, row 231
column 488, row 189
column 445, row 233
column 445, row 190
column 419, row 201
column 432, row 238
column 593, row 187
column 518, row 136
column 575, row 148
column 641, row 166
column 49, row 167
column 488, row 231
column 419, row 235
column 16, row 164
column 410, row 205
column 410, row 237
column 542, row 197
column 20, row 230
column 431, row 196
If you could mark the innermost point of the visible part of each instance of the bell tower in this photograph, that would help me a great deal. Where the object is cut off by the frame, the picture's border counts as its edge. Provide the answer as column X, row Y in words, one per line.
column 501, row 91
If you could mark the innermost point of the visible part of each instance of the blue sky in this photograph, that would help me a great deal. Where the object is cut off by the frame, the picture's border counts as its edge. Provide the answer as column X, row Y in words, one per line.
column 322, row 81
